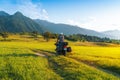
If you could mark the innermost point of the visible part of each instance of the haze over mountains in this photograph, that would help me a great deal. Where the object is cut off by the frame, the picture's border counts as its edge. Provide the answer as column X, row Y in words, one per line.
column 17, row 23
column 67, row 29
column 115, row 34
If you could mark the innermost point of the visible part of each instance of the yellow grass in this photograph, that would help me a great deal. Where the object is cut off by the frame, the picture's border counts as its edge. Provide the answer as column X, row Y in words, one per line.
column 18, row 61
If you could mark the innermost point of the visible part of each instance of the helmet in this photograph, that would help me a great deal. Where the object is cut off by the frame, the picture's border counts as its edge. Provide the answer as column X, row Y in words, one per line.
column 61, row 33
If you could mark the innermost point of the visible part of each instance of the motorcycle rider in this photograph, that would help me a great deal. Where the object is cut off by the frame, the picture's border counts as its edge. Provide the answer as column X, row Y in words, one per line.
column 60, row 38
column 60, row 41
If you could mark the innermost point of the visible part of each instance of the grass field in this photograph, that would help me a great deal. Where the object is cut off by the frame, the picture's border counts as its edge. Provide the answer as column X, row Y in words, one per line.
column 104, row 57
column 19, row 62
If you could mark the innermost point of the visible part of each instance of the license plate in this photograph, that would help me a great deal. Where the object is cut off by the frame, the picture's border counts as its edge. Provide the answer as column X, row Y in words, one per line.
column 65, row 48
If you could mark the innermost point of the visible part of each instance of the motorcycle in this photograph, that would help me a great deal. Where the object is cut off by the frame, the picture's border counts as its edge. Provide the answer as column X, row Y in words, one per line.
column 62, row 48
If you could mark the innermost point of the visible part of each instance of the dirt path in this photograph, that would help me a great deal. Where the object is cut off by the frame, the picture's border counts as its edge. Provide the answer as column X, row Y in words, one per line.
column 48, row 54
column 39, row 54
column 43, row 53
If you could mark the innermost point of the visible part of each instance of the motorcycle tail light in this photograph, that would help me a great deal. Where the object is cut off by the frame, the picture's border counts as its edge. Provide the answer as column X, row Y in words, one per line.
column 65, row 46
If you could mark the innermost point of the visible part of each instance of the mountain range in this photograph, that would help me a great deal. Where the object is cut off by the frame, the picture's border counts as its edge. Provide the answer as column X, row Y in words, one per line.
column 67, row 29
column 115, row 34
column 17, row 23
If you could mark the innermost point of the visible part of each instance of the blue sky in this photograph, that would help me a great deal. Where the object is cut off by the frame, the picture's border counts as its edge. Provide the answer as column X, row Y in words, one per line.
column 99, row 15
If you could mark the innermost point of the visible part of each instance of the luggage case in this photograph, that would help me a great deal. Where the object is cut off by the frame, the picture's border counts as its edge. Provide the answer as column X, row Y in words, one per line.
column 69, row 49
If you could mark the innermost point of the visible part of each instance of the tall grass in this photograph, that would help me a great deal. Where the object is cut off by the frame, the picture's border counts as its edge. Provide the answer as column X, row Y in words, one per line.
column 105, row 57
column 18, row 61
column 71, row 69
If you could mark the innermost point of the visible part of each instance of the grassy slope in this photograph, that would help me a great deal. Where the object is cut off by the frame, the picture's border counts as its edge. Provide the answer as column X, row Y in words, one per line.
column 18, row 61
column 71, row 69
column 104, row 57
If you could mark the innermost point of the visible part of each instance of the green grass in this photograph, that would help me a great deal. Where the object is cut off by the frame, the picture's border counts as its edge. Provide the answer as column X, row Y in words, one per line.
column 104, row 57
column 71, row 69
column 18, row 61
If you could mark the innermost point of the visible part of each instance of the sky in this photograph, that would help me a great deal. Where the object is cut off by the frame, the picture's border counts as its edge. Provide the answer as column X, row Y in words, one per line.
column 99, row 15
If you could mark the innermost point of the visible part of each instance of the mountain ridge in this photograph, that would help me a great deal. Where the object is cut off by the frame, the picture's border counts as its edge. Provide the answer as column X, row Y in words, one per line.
column 115, row 34
column 3, row 13
column 18, row 23
column 68, row 29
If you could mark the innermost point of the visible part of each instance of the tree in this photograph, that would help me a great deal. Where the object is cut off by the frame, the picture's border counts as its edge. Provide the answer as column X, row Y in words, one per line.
column 4, row 35
column 47, row 36
column 35, row 34
column 53, row 36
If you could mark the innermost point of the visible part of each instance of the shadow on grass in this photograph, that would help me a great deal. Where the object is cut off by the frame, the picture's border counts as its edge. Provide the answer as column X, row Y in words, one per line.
column 101, row 44
column 12, row 74
column 18, row 55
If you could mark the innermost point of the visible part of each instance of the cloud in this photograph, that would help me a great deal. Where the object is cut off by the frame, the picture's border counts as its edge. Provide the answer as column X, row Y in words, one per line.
column 85, row 22
column 27, row 7
column 72, row 22
column 45, row 14
column 33, row 10
column 98, row 23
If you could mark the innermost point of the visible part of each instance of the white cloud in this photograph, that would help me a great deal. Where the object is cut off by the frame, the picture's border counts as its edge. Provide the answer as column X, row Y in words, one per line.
column 45, row 14
column 34, row 11
column 72, row 22
column 27, row 7
column 98, row 23
column 85, row 23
